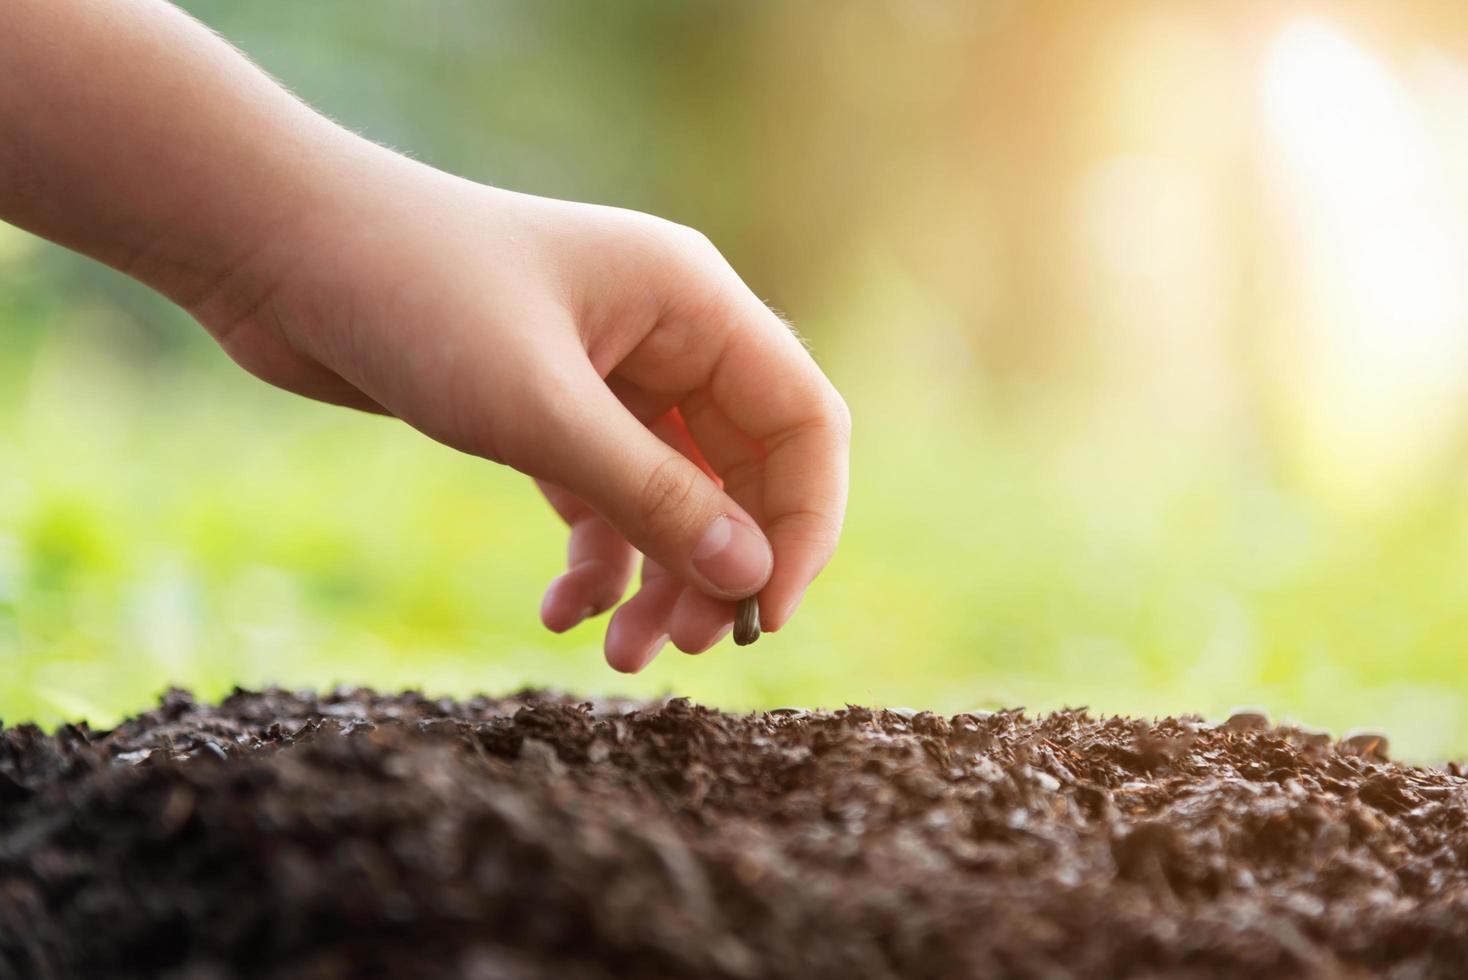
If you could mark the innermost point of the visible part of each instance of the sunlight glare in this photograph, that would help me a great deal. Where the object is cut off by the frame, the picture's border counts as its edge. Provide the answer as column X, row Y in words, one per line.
column 1377, row 371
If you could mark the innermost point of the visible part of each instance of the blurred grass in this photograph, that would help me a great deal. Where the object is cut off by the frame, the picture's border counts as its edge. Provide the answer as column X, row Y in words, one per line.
column 181, row 523
column 1071, row 485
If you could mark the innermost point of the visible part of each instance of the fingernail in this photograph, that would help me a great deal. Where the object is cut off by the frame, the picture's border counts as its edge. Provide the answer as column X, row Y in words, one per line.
column 733, row 557
column 551, row 614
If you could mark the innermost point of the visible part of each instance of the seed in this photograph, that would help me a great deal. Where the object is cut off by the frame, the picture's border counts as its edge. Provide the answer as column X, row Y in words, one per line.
column 746, row 622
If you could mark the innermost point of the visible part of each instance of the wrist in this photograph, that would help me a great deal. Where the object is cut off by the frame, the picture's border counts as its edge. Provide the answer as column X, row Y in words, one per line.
column 233, row 261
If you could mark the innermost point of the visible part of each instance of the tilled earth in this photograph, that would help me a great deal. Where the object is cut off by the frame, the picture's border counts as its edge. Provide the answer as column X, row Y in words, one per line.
column 356, row 834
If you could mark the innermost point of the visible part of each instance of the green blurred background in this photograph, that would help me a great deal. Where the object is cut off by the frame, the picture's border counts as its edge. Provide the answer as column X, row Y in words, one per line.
column 1153, row 318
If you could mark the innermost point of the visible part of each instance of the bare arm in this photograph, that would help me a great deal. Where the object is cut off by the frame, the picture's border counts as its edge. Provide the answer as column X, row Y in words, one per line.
column 135, row 135
column 613, row 356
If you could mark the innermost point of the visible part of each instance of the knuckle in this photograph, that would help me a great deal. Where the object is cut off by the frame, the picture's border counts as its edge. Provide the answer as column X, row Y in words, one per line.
column 829, row 414
column 841, row 417
column 691, row 238
column 666, row 494
column 693, row 248
column 810, row 529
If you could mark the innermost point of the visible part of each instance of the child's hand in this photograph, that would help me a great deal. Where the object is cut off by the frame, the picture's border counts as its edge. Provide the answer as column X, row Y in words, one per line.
column 613, row 356
column 589, row 347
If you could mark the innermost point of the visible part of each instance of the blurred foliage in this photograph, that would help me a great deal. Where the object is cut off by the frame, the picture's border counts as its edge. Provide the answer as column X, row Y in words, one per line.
column 1050, row 252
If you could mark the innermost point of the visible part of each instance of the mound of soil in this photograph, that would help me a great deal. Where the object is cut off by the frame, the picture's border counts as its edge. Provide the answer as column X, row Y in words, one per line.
column 286, row 835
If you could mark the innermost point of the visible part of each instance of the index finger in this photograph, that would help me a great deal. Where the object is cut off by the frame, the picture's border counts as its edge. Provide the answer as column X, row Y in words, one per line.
column 767, row 385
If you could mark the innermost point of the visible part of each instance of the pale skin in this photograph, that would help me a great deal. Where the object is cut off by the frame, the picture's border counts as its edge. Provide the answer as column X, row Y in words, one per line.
column 612, row 356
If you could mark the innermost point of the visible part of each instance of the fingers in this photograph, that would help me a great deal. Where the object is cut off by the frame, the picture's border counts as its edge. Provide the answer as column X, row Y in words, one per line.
column 660, row 501
column 762, row 413
column 805, row 487
column 590, row 587
column 639, row 627
column 764, row 421
column 780, row 435
column 699, row 621
column 664, row 608
column 599, row 562
column 805, row 431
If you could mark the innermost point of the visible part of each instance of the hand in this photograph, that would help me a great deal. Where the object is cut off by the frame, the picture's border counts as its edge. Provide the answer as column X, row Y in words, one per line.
column 613, row 356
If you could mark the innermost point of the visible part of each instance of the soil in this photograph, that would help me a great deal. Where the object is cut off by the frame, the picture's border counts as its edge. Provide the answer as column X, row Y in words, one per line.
column 354, row 834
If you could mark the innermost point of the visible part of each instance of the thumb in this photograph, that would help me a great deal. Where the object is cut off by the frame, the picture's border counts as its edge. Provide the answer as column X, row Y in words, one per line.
column 663, row 503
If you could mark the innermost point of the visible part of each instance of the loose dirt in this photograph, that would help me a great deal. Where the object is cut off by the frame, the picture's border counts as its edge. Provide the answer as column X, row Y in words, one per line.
column 283, row 835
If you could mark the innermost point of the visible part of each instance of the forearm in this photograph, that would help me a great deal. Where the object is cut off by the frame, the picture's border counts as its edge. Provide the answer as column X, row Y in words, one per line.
column 131, row 133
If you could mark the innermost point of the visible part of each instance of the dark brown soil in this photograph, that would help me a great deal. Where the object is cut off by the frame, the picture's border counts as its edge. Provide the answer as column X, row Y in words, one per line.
column 282, row 835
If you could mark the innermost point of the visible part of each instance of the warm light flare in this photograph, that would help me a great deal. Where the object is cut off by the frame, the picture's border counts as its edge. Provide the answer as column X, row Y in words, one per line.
column 1375, row 369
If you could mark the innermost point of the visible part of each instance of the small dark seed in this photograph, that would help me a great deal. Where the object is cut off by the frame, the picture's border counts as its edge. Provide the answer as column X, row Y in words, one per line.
column 746, row 622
